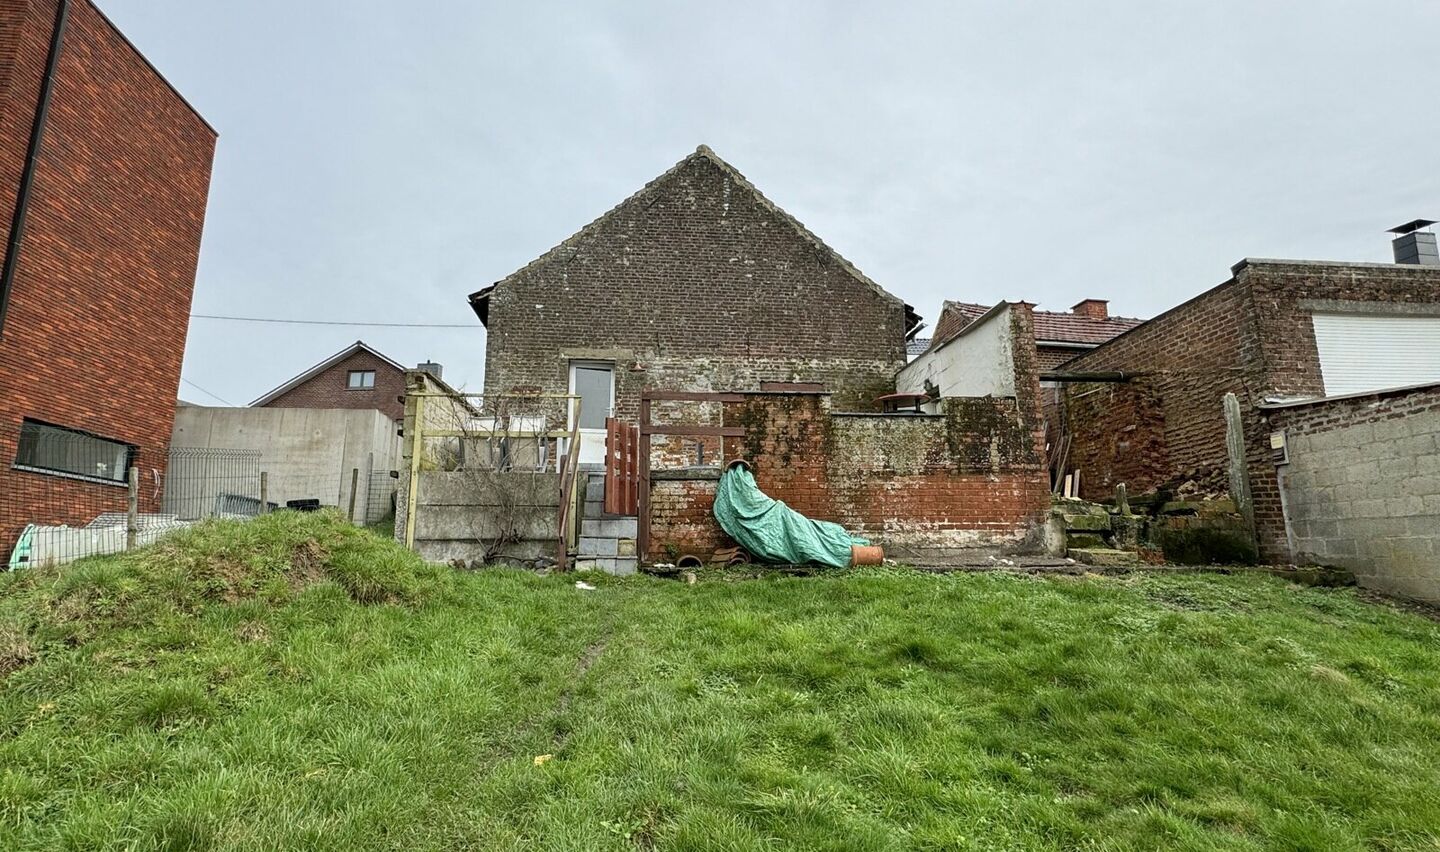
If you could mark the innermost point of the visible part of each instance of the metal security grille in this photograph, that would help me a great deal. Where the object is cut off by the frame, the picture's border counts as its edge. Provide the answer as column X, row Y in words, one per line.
column 1367, row 352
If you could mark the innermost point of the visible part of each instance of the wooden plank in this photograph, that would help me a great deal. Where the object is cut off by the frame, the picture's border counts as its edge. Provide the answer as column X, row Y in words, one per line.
column 642, row 508
column 690, row 396
column 793, row 387
column 685, row 429
column 632, row 471
column 613, row 457
column 481, row 434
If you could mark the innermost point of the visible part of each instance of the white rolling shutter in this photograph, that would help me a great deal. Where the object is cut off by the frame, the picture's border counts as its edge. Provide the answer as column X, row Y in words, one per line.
column 1366, row 352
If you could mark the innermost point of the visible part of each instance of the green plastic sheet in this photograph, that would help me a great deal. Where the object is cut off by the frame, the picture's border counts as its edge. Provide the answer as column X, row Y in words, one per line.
column 774, row 532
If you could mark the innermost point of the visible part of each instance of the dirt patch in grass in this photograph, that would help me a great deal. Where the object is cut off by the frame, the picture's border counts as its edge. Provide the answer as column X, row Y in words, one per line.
column 15, row 650
column 307, row 563
column 1419, row 608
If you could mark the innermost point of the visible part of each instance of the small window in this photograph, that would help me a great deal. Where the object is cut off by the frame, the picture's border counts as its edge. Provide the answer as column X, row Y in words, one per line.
column 361, row 379
column 53, row 449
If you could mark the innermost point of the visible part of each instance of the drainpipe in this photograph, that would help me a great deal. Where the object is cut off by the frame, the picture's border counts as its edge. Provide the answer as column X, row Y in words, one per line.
column 32, row 156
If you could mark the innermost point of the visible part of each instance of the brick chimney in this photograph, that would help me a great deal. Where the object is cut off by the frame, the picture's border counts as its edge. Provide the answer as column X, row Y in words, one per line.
column 1092, row 308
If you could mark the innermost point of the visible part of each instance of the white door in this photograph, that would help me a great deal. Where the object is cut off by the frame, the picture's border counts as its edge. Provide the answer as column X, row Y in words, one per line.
column 594, row 383
column 1368, row 352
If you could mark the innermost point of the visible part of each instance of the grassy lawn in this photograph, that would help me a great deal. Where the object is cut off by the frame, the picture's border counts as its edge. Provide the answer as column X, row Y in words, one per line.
column 294, row 684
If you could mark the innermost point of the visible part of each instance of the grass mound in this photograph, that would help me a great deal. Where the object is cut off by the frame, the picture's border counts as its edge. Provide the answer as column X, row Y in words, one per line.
column 270, row 559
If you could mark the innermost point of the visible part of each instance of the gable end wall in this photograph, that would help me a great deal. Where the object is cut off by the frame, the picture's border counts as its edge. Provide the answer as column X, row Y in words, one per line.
column 694, row 284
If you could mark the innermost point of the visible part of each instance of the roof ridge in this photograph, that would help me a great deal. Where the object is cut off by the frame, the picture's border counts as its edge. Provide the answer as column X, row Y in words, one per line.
column 705, row 152
column 311, row 372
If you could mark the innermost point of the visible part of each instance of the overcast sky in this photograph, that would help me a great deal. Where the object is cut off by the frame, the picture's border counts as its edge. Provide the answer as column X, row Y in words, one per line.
column 379, row 160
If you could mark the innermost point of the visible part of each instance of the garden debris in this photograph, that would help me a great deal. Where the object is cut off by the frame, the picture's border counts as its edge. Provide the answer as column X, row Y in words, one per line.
column 584, row 586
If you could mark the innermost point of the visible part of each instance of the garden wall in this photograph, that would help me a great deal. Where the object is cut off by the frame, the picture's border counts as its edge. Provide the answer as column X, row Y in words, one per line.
column 1361, row 489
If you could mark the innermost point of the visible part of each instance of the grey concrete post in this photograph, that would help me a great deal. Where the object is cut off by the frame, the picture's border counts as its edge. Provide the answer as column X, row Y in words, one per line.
column 1235, row 448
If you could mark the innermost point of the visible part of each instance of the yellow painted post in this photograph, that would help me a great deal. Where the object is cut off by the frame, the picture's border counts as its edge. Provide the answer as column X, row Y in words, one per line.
column 417, row 449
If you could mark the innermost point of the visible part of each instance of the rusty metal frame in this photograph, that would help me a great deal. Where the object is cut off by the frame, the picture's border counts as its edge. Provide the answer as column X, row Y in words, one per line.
column 642, row 537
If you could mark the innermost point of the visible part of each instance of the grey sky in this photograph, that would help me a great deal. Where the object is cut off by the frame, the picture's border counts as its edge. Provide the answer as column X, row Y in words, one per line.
column 379, row 161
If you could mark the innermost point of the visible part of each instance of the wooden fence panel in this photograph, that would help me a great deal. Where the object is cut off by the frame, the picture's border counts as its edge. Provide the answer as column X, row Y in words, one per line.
column 621, row 467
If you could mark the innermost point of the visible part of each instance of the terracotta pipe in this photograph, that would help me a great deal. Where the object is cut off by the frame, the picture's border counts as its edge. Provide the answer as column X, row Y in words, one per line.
column 866, row 554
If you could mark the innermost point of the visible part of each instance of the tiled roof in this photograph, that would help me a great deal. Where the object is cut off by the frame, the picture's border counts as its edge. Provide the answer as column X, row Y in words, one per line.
column 916, row 347
column 1054, row 326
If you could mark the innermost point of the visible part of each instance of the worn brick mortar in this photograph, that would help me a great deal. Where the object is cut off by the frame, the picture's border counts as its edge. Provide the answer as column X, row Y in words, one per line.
column 974, row 474
column 1363, row 488
column 99, row 311
column 695, row 283
column 1251, row 336
column 329, row 388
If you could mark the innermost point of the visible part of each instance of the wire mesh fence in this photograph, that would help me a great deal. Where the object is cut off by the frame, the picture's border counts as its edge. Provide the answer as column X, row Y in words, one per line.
column 67, row 494
column 202, row 482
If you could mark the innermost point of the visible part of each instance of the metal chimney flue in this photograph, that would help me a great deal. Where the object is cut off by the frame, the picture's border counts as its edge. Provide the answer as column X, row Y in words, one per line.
column 1414, row 243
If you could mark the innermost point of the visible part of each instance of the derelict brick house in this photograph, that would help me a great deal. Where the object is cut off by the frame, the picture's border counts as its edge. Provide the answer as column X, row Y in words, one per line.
column 696, row 282
column 1059, row 335
column 104, row 177
column 1307, row 347
column 358, row 377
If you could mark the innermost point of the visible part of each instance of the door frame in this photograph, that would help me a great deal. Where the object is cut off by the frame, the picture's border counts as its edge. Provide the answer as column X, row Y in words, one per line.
column 592, row 364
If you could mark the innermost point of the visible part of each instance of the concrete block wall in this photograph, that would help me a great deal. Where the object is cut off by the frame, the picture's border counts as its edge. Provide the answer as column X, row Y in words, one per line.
column 1362, row 488
column 462, row 512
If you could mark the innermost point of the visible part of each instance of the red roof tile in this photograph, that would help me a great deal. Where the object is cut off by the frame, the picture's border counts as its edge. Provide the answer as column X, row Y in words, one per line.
column 1052, row 326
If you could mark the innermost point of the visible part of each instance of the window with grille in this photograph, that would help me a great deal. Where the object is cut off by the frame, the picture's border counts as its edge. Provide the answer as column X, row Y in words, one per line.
column 44, row 448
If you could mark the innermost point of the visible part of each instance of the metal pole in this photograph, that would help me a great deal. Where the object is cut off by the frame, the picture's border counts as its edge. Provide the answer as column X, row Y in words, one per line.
column 132, row 510
column 264, row 493
column 354, row 484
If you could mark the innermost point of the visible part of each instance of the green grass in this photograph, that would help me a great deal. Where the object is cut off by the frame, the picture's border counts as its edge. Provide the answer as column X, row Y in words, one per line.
column 293, row 684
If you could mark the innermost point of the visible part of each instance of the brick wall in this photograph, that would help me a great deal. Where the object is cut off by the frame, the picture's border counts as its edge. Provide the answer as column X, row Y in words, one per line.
column 1051, row 357
column 680, row 519
column 1362, row 488
column 330, row 389
column 1286, row 362
column 974, row 474
column 1251, row 336
column 1184, row 362
column 695, row 283
column 99, row 310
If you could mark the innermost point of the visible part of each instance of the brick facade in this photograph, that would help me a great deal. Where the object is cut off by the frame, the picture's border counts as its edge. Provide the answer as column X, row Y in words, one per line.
column 974, row 474
column 697, row 282
column 329, row 388
column 1164, row 427
column 99, row 309
column 1251, row 336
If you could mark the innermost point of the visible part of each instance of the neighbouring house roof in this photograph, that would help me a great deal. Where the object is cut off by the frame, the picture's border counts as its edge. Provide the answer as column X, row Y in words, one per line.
column 357, row 346
column 480, row 299
column 916, row 346
column 1058, row 327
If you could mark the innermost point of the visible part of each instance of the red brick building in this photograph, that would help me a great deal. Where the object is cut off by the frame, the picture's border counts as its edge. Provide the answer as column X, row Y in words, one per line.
column 1059, row 336
column 356, row 377
column 104, row 177
column 1277, row 331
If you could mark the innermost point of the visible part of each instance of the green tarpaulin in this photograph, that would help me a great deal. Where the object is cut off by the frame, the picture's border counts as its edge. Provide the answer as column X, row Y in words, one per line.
column 774, row 532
